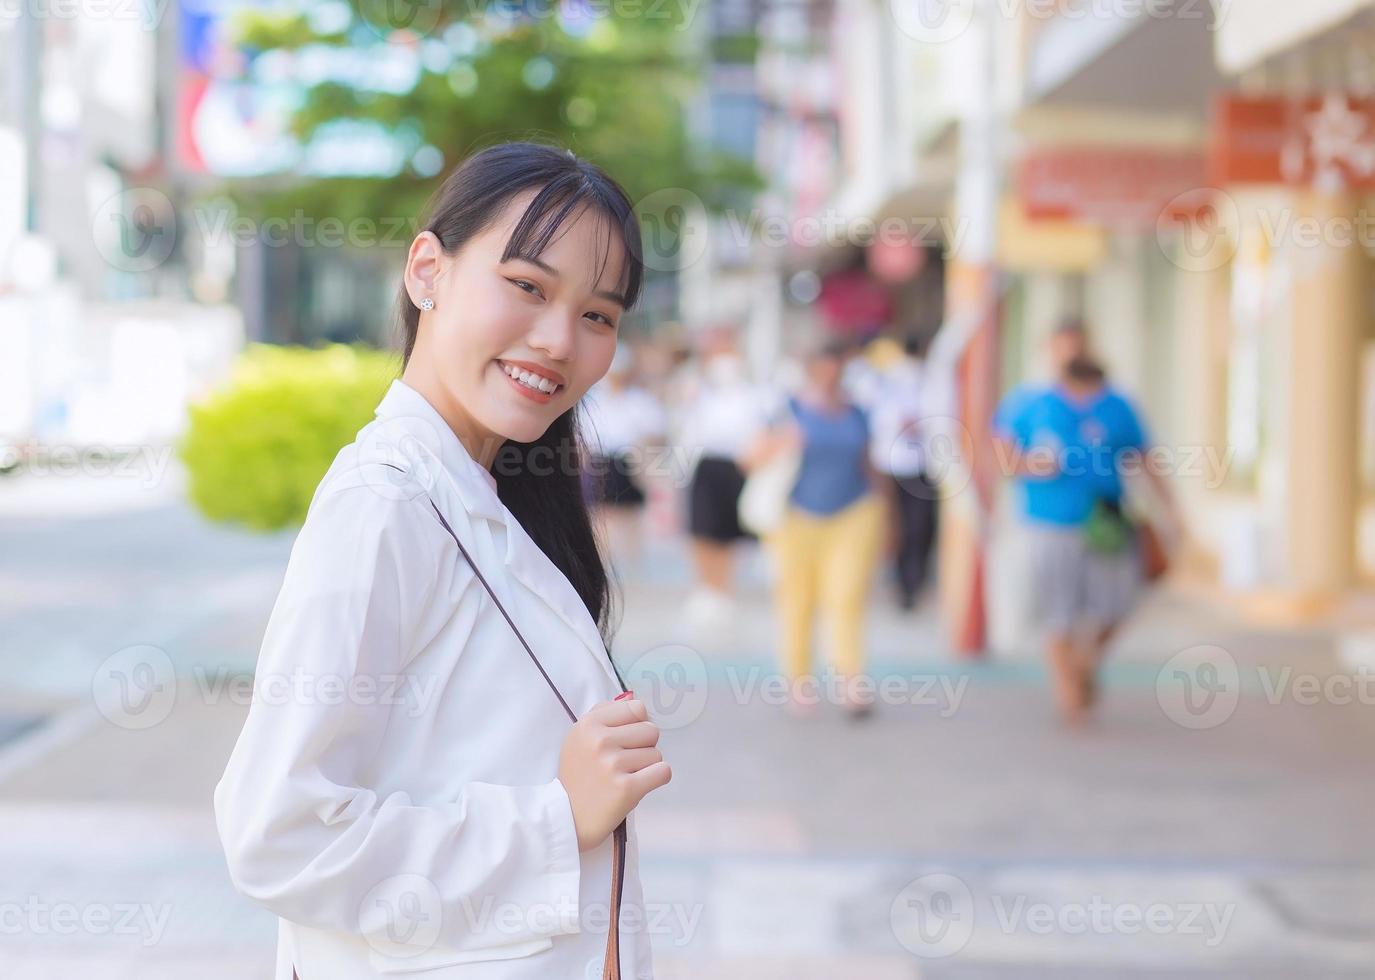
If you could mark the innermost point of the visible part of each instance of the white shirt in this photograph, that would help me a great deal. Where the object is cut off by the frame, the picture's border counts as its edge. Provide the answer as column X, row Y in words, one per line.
column 393, row 795
column 616, row 421
column 899, row 415
column 722, row 416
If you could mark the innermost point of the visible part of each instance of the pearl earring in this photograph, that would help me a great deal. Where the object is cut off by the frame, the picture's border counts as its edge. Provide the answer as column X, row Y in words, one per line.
column 427, row 304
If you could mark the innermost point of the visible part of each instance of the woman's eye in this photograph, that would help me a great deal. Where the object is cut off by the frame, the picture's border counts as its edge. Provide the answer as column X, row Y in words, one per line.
column 526, row 286
column 599, row 318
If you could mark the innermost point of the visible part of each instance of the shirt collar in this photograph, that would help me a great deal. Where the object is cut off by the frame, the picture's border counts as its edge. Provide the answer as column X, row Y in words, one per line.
column 416, row 428
column 414, row 433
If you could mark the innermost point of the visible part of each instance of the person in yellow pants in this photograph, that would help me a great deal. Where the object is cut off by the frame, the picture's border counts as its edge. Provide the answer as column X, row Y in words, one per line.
column 826, row 549
column 827, row 563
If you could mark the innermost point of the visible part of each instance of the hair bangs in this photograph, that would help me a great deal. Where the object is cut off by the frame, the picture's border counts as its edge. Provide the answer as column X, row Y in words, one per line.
column 568, row 197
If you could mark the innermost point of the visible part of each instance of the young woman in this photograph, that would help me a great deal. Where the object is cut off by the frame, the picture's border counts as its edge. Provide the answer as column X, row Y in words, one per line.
column 827, row 547
column 410, row 793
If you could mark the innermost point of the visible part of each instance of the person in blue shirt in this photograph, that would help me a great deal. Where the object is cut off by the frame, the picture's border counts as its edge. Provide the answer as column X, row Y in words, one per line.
column 1066, row 445
column 827, row 547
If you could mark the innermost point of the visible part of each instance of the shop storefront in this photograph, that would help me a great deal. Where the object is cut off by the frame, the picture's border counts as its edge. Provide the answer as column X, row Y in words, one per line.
column 1287, row 254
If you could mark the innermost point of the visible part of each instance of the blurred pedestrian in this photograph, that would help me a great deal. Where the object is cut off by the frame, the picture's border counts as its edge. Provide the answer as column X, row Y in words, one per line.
column 723, row 412
column 1066, row 444
column 899, row 451
column 826, row 547
column 1067, row 341
column 623, row 425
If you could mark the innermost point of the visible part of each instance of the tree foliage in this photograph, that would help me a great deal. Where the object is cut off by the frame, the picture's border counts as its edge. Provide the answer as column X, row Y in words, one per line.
column 256, row 449
column 613, row 83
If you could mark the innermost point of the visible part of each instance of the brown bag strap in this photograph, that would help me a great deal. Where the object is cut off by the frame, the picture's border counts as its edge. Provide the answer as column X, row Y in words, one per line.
column 611, row 966
column 611, row 969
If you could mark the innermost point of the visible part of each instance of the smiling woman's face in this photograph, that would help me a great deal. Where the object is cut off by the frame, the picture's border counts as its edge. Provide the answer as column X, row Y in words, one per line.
column 510, row 346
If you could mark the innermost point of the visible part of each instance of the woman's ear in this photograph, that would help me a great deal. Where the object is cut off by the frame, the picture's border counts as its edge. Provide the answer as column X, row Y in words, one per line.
column 424, row 262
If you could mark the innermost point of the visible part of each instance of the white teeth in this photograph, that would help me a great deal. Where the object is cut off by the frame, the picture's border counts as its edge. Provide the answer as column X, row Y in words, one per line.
column 530, row 379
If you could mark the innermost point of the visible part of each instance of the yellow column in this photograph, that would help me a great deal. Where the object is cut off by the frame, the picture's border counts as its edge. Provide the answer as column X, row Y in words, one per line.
column 1327, row 326
column 966, row 510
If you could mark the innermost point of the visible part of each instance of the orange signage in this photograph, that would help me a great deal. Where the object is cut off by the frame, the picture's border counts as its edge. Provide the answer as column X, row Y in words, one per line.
column 1126, row 187
column 1325, row 140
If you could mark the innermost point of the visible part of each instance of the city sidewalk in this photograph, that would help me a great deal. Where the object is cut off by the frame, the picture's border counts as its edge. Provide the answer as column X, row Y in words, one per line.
column 960, row 832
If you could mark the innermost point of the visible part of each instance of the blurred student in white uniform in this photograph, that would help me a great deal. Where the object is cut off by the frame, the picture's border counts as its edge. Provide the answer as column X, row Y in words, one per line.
column 900, row 411
column 625, row 427
column 722, row 413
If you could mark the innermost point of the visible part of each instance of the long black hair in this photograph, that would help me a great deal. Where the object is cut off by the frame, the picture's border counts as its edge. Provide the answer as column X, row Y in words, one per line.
column 540, row 482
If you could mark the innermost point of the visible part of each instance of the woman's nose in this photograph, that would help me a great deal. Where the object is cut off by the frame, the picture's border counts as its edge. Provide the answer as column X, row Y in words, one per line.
column 554, row 334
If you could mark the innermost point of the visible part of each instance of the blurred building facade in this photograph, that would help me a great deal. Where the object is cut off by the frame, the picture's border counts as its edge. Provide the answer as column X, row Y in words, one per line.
column 1090, row 159
column 101, row 335
column 1239, row 335
column 1293, row 147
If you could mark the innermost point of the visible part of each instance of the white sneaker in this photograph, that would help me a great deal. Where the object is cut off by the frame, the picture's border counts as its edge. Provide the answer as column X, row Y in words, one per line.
column 708, row 608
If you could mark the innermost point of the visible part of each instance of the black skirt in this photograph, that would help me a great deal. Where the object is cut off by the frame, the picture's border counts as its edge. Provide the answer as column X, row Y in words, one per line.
column 714, row 500
column 612, row 482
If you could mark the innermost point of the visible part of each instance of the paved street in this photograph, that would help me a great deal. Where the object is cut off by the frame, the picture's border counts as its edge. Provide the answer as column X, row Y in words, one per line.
column 959, row 833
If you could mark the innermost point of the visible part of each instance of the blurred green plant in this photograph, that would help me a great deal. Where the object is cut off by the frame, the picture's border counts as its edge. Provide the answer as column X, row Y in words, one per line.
column 443, row 78
column 257, row 448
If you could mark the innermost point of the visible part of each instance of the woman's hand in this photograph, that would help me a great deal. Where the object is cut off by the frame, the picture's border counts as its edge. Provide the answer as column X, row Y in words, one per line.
column 609, row 763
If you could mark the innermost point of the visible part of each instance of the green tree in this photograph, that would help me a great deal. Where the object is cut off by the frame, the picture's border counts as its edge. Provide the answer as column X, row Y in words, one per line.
column 614, row 86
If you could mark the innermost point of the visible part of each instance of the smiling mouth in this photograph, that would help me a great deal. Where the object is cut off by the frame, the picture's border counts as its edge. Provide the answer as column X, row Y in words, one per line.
column 532, row 380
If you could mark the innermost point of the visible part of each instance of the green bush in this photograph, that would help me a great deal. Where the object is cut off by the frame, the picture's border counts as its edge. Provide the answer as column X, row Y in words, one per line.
column 256, row 450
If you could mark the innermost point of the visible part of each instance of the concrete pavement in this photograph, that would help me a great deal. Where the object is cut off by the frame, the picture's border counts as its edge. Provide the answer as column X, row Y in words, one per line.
column 960, row 832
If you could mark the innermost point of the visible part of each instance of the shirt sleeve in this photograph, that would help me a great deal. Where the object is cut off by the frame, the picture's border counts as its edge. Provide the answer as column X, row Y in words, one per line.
column 306, row 831
column 1009, row 418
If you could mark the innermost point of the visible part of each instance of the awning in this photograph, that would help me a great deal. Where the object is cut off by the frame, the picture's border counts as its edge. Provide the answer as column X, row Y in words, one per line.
column 1253, row 30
